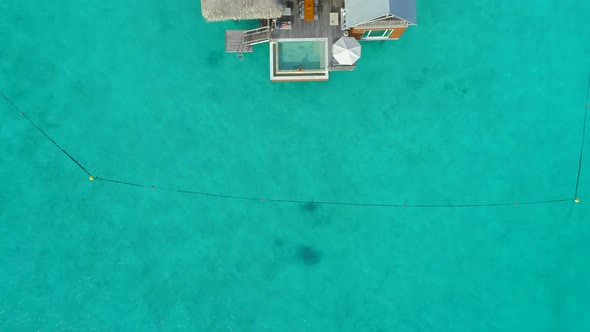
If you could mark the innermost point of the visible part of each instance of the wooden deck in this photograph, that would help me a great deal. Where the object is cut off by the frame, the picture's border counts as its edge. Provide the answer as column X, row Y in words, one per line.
column 233, row 42
column 313, row 29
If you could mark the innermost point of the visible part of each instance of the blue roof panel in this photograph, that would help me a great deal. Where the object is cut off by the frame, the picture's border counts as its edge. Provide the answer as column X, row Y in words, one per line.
column 404, row 9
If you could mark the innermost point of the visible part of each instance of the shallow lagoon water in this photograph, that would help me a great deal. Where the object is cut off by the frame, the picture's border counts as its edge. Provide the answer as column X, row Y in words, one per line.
column 482, row 102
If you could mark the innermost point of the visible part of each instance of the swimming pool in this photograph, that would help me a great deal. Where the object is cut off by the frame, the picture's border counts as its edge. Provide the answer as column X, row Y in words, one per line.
column 299, row 59
column 302, row 54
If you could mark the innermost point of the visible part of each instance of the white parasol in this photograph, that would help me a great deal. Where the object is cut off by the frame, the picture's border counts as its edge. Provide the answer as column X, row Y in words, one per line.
column 346, row 50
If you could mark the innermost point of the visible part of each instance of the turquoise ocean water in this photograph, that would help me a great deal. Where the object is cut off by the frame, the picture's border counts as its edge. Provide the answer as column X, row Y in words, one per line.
column 482, row 102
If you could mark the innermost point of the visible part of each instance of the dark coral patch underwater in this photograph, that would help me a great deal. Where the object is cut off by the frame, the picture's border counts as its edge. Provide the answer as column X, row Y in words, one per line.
column 309, row 256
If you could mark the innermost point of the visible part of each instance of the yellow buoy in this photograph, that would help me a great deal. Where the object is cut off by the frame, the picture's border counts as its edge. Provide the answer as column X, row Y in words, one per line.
column 577, row 200
column 91, row 177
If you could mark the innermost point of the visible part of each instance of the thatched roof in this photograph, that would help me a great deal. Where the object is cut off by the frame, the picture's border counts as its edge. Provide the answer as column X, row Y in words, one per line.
column 223, row 10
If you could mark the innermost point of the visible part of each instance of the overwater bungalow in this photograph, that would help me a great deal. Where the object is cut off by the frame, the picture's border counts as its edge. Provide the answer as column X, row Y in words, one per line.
column 309, row 38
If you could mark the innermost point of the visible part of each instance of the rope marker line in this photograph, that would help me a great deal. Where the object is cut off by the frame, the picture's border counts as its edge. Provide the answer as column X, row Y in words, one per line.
column 22, row 114
column 583, row 140
column 295, row 201
column 291, row 201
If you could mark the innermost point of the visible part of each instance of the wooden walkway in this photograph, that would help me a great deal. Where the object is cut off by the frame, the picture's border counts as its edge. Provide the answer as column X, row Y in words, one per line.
column 234, row 41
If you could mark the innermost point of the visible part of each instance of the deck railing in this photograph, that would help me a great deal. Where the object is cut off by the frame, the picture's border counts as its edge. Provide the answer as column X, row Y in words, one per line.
column 253, row 37
column 338, row 67
column 257, row 36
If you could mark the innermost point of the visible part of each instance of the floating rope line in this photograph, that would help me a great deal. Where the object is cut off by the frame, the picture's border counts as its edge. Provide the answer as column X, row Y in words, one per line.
column 295, row 201
column 583, row 139
column 45, row 134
